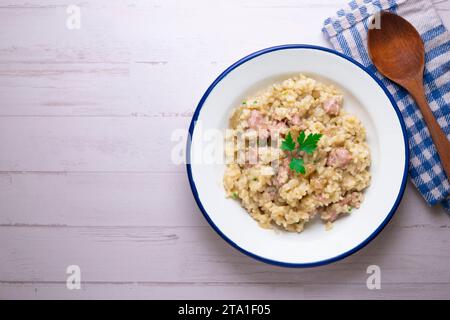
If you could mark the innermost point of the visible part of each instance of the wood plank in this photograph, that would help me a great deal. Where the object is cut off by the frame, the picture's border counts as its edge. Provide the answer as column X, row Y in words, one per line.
column 196, row 26
column 105, row 70
column 134, row 199
column 89, row 144
column 421, row 291
column 150, row 291
column 197, row 254
column 97, row 199
column 222, row 291
column 132, row 89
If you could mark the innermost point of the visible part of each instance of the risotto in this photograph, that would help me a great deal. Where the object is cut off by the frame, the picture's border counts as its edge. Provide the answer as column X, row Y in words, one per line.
column 293, row 154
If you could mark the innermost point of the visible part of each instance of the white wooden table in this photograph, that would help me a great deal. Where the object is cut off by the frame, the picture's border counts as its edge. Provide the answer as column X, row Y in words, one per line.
column 86, row 179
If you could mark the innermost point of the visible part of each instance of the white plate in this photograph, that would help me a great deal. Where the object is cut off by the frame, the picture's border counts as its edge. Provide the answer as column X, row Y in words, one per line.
column 364, row 96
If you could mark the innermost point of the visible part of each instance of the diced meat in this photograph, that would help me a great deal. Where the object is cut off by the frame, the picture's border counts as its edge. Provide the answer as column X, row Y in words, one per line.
column 282, row 176
column 329, row 214
column 333, row 214
column 278, row 126
column 346, row 200
column 285, row 162
column 352, row 199
column 332, row 107
column 339, row 157
column 256, row 119
column 296, row 121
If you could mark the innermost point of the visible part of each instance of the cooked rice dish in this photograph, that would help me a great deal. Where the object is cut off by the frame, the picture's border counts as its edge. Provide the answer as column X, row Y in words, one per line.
column 259, row 173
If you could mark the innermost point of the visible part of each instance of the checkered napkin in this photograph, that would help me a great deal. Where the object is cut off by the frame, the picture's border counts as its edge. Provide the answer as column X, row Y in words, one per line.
column 347, row 32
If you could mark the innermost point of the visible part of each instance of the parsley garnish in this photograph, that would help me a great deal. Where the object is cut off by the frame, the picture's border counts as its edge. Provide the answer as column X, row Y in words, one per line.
column 297, row 165
column 234, row 195
column 288, row 144
column 308, row 144
column 305, row 143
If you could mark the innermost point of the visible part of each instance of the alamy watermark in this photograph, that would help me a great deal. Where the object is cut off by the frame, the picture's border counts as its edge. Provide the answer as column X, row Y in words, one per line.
column 375, row 21
column 214, row 146
column 73, row 281
column 73, row 21
column 374, row 280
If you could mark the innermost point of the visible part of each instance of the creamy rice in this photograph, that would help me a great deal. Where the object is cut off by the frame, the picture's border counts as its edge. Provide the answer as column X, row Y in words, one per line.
column 258, row 173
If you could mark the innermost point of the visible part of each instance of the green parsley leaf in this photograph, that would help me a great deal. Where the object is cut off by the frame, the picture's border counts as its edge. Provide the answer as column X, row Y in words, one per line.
column 297, row 165
column 288, row 144
column 350, row 209
column 308, row 144
column 301, row 138
column 234, row 195
column 305, row 143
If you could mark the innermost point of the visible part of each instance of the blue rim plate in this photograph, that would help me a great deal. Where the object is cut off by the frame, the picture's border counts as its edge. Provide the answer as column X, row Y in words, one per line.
column 207, row 216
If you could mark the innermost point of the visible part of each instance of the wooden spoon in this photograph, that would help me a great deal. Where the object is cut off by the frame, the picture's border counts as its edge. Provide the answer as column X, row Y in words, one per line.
column 398, row 52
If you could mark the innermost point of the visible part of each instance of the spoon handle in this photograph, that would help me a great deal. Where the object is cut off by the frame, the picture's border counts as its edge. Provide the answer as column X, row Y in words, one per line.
column 439, row 138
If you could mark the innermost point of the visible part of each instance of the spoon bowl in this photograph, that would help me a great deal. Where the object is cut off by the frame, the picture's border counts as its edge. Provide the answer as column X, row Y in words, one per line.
column 396, row 48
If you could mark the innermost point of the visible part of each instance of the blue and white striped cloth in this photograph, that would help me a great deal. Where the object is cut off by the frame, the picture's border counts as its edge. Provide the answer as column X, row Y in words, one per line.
column 347, row 32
